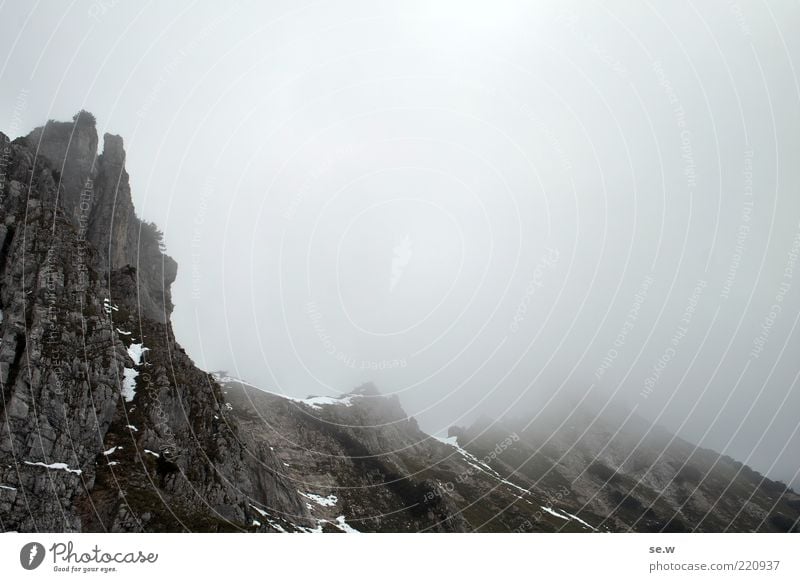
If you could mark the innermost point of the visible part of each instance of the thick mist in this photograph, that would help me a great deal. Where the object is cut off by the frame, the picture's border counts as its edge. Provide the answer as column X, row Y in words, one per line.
column 475, row 207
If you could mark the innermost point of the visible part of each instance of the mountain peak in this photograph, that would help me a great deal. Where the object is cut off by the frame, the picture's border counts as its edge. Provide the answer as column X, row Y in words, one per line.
column 94, row 192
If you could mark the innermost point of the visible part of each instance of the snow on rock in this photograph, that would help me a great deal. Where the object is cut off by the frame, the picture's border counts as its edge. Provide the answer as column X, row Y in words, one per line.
column 476, row 463
column 224, row 378
column 8, row 487
column 129, row 384
column 111, row 450
column 135, row 351
column 119, row 331
column 471, row 459
column 344, row 526
column 131, row 427
column 149, row 452
column 578, row 519
column 317, row 529
column 56, row 466
column 276, row 526
column 315, row 402
column 555, row 513
column 259, row 510
column 328, row 501
column 272, row 523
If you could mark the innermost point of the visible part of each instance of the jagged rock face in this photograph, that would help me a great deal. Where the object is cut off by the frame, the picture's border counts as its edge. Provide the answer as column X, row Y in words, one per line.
column 72, row 150
column 84, row 372
column 58, row 361
column 97, row 198
column 197, row 475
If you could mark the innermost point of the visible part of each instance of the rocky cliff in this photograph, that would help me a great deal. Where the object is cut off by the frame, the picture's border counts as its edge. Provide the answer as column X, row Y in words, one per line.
column 107, row 425
column 94, row 192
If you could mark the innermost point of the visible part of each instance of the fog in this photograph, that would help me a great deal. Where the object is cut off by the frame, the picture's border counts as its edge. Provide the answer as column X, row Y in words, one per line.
column 476, row 206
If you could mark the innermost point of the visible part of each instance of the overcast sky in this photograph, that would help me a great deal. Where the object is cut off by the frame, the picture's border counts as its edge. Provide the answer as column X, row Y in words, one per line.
column 474, row 205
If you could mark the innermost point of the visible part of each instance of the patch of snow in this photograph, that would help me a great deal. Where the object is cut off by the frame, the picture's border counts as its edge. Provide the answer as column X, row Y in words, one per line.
column 256, row 523
column 317, row 529
column 228, row 406
column 57, row 466
column 119, row 331
column 452, row 441
column 328, row 501
column 149, row 452
column 108, row 307
column 317, row 402
column 8, row 488
column 344, row 526
column 135, row 351
column 576, row 518
column 112, row 463
column 551, row 512
column 224, row 379
column 476, row 463
column 272, row 523
column 111, row 450
column 131, row 427
column 471, row 459
column 276, row 526
column 285, row 464
column 129, row 384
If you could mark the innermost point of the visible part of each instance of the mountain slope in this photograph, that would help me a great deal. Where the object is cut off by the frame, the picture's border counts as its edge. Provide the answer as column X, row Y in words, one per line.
column 360, row 460
column 626, row 475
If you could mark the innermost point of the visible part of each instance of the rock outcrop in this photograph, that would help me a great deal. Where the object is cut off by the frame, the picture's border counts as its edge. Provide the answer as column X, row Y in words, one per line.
column 107, row 425
column 95, row 194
